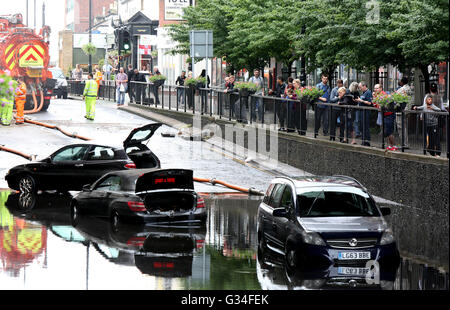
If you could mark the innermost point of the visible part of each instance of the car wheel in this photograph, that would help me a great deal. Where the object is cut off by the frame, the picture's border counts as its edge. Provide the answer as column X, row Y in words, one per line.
column 75, row 214
column 27, row 184
column 27, row 201
column 291, row 257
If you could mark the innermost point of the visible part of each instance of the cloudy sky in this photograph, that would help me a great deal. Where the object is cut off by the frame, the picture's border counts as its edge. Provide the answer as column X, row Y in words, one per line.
column 54, row 17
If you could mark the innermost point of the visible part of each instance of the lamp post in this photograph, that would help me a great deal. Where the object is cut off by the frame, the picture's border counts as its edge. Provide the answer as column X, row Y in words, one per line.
column 90, row 34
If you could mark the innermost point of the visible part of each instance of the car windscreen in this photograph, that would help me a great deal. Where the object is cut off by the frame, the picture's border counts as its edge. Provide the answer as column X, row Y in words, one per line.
column 335, row 203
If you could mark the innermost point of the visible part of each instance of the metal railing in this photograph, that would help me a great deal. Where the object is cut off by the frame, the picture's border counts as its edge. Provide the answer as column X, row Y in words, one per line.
column 347, row 124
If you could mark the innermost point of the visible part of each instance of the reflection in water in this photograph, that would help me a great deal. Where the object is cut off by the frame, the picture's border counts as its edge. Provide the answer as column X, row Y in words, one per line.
column 21, row 242
column 220, row 255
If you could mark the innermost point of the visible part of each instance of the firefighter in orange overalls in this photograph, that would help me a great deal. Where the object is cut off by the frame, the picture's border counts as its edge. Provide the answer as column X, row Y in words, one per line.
column 21, row 97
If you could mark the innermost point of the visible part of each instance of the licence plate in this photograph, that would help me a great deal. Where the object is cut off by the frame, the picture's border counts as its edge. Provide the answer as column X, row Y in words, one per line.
column 353, row 271
column 353, row 255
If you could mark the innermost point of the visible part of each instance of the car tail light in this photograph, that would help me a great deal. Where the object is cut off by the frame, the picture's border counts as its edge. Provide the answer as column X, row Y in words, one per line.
column 200, row 202
column 168, row 265
column 136, row 206
column 136, row 241
column 130, row 166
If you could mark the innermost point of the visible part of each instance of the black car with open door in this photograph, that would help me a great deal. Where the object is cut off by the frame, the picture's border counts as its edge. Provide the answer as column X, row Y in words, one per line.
column 156, row 196
column 73, row 166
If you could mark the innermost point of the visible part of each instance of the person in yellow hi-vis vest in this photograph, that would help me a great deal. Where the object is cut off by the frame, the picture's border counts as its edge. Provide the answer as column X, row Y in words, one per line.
column 90, row 95
column 21, row 98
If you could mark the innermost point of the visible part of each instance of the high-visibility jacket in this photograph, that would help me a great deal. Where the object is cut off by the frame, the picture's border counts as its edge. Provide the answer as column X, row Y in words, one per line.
column 90, row 90
column 21, row 92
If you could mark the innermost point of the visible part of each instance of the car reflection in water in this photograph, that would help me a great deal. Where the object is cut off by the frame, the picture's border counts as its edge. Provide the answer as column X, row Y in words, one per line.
column 155, row 250
column 273, row 274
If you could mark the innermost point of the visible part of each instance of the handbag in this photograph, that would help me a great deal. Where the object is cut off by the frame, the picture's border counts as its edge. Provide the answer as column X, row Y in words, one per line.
column 122, row 88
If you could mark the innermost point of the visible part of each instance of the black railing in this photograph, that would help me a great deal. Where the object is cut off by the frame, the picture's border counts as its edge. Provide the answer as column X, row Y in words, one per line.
column 348, row 124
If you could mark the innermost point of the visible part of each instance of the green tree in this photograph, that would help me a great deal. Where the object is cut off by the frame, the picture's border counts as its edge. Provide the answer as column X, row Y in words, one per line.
column 422, row 30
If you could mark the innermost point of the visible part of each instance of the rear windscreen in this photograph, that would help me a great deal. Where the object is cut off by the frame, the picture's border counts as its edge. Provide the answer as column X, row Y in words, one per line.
column 329, row 204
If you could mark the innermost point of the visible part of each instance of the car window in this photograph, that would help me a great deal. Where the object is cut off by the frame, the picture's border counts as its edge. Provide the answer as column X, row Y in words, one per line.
column 101, row 153
column 276, row 195
column 287, row 200
column 330, row 204
column 57, row 74
column 73, row 153
column 268, row 192
column 111, row 183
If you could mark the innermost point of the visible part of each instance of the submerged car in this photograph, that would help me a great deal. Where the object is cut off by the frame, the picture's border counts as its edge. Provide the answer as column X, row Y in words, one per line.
column 322, row 221
column 73, row 166
column 156, row 196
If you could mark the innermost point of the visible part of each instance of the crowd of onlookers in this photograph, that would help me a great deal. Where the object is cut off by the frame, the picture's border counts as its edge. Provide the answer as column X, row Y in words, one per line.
column 291, row 111
column 352, row 123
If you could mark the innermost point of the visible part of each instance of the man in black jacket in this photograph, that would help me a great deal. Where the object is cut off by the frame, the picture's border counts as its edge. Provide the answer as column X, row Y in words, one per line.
column 280, row 104
column 130, row 74
column 180, row 90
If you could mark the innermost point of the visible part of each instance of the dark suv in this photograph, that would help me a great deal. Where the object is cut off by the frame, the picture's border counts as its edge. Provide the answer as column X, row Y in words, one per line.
column 323, row 221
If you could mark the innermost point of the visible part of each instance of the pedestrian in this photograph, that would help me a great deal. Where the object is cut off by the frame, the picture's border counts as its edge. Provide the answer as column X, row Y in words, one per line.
column 433, row 139
column 107, row 69
column 336, row 116
column 437, row 99
column 90, row 95
column 230, row 93
column 280, row 105
column 136, row 84
column 121, row 86
column 155, row 87
column 77, row 75
column 365, row 100
column 321, row 113
column 98, row 77
column 347, row 98
column 256, row 101
column 404, row 89
column 130, row 89
column 180, row 89
column 388, row 119
column 20, row 99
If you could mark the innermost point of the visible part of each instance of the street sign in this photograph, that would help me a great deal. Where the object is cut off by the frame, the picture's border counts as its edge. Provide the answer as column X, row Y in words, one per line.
column 201, row 42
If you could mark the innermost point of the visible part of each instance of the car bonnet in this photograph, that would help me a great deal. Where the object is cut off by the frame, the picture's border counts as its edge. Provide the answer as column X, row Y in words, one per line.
column 340, row 224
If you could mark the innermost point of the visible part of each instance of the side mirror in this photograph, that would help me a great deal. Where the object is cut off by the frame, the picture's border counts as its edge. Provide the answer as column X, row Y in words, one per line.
column 279, row 212
column 48, row 160
column 87, row 188
column 385, row 211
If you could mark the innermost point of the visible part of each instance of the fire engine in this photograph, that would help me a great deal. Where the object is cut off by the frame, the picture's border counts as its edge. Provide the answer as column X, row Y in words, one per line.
column 23, row 52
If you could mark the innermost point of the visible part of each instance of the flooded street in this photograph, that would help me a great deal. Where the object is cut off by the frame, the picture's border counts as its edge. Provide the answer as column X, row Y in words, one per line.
column 41, row 249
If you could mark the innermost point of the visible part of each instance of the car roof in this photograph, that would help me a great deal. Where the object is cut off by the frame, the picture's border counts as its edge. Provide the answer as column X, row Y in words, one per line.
column 323, row 181
column 132, row 173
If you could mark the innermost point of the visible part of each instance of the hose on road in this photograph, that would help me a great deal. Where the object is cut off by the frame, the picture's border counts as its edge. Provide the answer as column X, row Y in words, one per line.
column 250, row 191
column 26, row 156
column 72, row 135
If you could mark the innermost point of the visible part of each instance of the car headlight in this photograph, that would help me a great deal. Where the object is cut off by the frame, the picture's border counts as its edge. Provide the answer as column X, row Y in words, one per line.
column 387, row 237
column 312, row 238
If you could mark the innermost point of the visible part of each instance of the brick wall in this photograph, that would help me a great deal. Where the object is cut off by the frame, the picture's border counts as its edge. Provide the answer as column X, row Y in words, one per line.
column 82, row 12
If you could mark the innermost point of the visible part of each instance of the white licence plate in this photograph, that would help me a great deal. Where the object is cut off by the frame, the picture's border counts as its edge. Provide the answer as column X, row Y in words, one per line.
column 353, row 271
column 353, row 255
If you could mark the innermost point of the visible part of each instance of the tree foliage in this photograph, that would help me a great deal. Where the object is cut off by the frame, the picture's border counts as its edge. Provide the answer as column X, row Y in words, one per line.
column 364, row 34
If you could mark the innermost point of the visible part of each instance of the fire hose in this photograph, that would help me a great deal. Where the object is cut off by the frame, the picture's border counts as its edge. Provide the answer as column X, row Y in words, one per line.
column 72, row 135
column 5, row 149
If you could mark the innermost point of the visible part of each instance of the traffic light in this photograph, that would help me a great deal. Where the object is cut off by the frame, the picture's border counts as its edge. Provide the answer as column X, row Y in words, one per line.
column 126, row 42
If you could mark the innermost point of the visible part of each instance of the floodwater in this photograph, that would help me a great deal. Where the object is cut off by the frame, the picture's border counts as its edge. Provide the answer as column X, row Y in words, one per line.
column 40, row 249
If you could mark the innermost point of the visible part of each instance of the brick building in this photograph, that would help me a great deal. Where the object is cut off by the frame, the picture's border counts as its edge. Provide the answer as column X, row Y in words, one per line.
column 77, row 13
